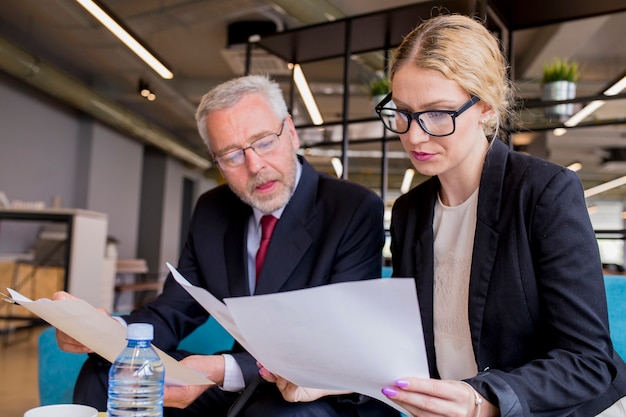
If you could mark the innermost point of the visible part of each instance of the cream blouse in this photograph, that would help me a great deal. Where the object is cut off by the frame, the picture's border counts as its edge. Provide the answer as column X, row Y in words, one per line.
column 454, row 229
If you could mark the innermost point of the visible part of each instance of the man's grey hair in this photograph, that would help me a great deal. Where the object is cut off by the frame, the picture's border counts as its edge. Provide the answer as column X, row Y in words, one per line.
column 229, row 93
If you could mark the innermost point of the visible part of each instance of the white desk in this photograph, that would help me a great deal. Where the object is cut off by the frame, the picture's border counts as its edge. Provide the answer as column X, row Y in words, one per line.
column 88, row 275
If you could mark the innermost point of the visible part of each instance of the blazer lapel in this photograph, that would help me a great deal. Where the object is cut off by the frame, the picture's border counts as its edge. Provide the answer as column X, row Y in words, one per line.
column 424, row 267
column 235, row 253
column 486, row 236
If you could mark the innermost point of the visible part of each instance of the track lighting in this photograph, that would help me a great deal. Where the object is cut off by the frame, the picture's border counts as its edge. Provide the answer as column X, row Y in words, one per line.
column 145, row 92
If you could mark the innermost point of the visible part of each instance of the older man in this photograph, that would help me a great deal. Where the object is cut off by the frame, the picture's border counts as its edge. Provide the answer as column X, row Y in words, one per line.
column 326, row 230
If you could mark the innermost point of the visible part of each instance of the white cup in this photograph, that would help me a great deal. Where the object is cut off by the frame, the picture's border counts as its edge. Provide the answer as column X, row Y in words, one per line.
column 62, row 410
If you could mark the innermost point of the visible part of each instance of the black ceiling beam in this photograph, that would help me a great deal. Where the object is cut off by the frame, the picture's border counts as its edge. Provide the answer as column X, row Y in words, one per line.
column 369, row 32
column 525, row 14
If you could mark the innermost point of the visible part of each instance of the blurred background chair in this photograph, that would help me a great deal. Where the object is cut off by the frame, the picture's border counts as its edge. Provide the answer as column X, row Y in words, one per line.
column 36, row 274
column 134, row 284
column 49, row 251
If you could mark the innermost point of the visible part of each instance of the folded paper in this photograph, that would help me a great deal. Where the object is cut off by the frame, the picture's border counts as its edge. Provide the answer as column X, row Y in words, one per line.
column 100, row 333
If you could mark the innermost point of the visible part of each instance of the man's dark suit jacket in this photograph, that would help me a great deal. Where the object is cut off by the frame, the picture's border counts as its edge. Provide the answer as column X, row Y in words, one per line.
column 330, row 231
column 537, row 306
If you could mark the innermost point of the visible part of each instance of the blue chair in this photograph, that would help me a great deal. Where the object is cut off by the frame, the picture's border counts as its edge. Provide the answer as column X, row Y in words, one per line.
column 207, row 339
column 58, row 370
column 386, row 272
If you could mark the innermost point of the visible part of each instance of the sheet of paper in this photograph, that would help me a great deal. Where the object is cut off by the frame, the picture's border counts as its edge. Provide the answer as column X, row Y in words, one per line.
column 215, row 307
column 358, row 336
column 100, row 333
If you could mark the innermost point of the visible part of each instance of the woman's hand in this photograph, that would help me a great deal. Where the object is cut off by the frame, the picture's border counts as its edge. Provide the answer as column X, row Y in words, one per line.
column 292, row 392
column 210, row 365
column 432, row 397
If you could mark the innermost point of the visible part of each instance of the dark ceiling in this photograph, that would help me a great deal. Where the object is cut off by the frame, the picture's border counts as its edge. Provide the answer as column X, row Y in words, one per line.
column 59, row 48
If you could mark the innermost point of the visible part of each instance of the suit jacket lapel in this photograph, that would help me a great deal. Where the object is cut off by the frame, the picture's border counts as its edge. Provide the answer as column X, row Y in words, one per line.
column 235, row 252
column 291, row 238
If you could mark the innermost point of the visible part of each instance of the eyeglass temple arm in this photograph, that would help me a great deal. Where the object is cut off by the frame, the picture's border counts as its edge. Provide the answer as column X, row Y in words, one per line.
column 384, row 101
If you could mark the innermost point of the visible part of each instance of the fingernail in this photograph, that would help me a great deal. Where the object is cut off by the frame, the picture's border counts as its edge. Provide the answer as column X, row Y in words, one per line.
column 389, row 392
column 402, row 383
column 262, row 372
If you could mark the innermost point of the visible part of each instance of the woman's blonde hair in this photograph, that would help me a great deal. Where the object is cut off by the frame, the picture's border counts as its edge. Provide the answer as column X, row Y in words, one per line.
column 463, row 50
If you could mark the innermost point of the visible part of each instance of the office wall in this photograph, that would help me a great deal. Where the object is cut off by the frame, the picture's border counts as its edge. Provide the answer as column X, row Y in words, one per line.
column 114, row 184
column 38, row 149
column 48, row 150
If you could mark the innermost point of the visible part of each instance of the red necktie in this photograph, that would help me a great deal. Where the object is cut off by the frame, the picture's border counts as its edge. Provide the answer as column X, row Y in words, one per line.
column 268, row 223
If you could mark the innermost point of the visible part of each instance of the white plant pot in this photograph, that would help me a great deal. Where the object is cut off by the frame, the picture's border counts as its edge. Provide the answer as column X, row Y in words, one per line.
column 559, row 90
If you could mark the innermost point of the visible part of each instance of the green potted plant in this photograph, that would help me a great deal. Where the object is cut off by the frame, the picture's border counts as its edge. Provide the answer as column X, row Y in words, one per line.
column 561, row 70
column 380, row 86
column 559, row 83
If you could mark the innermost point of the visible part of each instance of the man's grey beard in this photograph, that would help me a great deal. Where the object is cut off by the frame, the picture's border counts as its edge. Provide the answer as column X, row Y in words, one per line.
column 269, row 204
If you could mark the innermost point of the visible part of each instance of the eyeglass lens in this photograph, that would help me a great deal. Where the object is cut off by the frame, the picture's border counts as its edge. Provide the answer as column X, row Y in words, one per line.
column 261, row 146
column 432, row 122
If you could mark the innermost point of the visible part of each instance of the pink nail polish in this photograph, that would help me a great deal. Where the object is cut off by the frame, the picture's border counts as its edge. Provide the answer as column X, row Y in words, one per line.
column 402, row 383
column 389, row 391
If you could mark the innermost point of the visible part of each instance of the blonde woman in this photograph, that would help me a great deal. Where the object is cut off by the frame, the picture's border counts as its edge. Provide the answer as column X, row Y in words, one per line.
column 506, row 263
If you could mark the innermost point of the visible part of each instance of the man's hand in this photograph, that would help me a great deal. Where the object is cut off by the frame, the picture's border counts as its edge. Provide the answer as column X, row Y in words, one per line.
column 65, row 342
column 295, row 393
column 212, row 366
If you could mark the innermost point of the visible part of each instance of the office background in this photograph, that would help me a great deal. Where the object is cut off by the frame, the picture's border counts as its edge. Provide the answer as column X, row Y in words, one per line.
column 48, row 149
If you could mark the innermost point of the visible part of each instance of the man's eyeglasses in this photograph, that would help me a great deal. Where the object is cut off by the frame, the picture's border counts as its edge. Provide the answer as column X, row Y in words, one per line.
column 261, row 146
column 434, row 122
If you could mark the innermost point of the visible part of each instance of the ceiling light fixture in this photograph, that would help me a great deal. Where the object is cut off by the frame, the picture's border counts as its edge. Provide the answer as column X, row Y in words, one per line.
column 616, row 88
column 575, row 166
column 145, row 92
column 337, row 166
column 407, row 180
column 305, row 92
column 123, row 35
column 584, row 113
column 613, row 90
column 618, row 182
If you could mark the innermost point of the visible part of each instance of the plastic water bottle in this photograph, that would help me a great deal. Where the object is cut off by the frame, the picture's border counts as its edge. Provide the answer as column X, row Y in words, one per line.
column 136, row 377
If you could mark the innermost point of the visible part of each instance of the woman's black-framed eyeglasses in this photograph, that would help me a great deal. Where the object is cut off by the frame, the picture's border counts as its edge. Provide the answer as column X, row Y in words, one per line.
column 434, row 122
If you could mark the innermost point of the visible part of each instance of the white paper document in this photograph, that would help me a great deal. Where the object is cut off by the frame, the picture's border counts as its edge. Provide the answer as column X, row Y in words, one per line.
column 358, row 336
column 100, row 333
